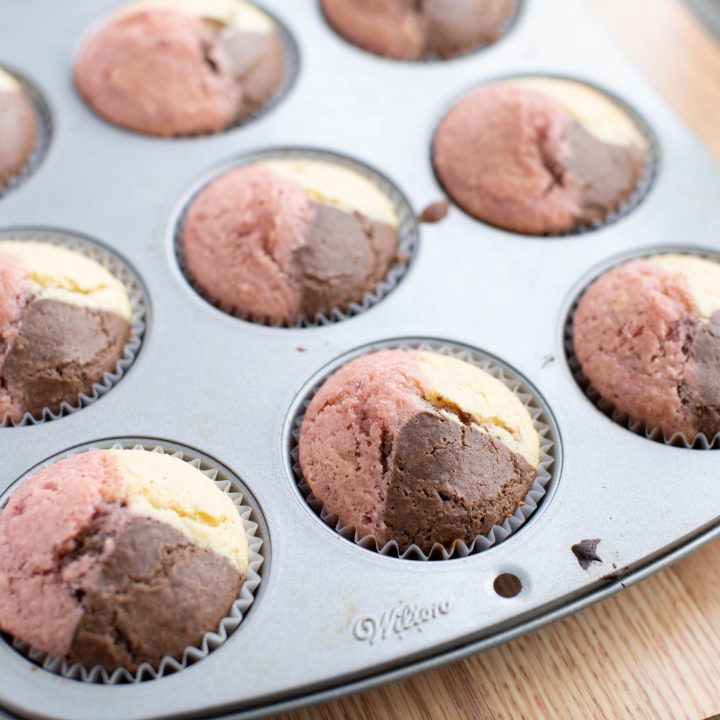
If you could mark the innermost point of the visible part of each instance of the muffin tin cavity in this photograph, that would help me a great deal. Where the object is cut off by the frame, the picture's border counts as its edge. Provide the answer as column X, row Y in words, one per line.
column 258, row 558
column 591, row 160
column 185, row 68
column 136, row 296
column 287, row 267
column 21, row 104
column 543, row 487
column 677, row 439
column 425, row 31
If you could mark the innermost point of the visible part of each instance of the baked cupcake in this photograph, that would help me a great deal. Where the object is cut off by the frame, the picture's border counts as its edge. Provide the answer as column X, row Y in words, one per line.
column 540, row 155
column 19, row 129
column 411, row 30
column 419, row 448
column 182, row 67
column 140, row 555
column 647, row 337
column 64, row 323
column 283, row 239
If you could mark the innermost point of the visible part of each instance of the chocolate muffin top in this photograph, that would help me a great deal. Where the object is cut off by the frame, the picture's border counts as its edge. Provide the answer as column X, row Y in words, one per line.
column 647, row 336
column 64, row 323
column 418, row 447
column 140, row 556
column 283, row 239
column 182, row 67
column 539, row 155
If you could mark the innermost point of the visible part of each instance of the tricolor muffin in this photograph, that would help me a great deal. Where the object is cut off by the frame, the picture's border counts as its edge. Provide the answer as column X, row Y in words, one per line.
column 540, row 155
column 182, row 67
column 19, row 129
column 412, row 29
column 647, row 337
column 285, row 238
column 139, row 556
column 418, row 447
column 64, row 323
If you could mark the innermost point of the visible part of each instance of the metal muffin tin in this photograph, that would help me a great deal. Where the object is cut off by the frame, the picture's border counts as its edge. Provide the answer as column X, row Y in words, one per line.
column 332, row 617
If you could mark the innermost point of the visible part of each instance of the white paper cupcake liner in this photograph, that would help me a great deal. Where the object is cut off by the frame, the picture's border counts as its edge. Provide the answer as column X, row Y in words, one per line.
column 211, row 640
column 639, row 427
column 547, row 470
column 138, row 307
column 643, row 187
column 408, row 234
column 44, row 120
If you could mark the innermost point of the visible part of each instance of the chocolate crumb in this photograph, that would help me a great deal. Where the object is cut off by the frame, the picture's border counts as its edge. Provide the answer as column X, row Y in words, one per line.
column 435, row 212
column 301, row 349
column 615, row 575
column 586, row 552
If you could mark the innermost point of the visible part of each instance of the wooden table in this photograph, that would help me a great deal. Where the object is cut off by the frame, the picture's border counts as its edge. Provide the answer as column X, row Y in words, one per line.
column 654, row 650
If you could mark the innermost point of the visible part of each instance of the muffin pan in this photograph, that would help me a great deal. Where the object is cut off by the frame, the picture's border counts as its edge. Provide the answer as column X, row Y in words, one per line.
column 332, row 617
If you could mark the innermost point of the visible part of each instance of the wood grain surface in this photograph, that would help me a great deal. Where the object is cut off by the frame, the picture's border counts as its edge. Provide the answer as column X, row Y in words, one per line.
column 654, row 650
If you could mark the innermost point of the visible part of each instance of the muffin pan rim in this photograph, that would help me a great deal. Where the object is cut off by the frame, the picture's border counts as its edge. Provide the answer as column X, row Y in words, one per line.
column 651, row 174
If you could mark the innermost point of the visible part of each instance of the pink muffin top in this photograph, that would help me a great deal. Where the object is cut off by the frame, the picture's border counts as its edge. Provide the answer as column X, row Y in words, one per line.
column 518, row 154
column 169, row 72
column 412, row 29
column 417, row 447
column 283, row 239
column 647, row 336
column 139, row 555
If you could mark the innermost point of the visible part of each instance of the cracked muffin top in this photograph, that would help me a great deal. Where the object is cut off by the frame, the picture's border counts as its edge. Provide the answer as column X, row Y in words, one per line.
column 181, row 67
column 64, row 323
column 283, row 239
column 415, row 29
column 539, row 155
column 141, row 554
column 418, row 447
column 647, row 337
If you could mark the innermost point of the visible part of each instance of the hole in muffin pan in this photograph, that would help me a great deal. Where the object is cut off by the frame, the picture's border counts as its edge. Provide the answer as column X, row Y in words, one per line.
column 45, row 132
column 549, row 468
column 293, row 65
column 701, row 442
column 259, row 560
column 408, row 232
column 126, row 274
column 507, row 585
column 507, row 29
column 645, row 185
